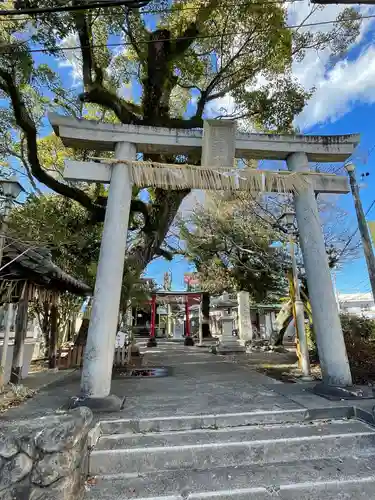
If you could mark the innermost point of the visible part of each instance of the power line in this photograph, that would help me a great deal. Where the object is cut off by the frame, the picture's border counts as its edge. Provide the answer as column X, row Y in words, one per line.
column 354, row 233
column 131, row 4
column 369, row 152
column 171, row 39
column 52, row 10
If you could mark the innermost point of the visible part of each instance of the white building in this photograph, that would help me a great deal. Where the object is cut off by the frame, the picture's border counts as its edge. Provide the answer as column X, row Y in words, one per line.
column 357, row 303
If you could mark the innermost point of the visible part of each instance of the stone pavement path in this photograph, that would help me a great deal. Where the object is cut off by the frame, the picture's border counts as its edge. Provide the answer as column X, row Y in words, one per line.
column 200, row 383
column 216, row 429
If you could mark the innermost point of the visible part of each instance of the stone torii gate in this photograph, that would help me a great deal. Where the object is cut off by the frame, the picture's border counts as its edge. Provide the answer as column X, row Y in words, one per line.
column 219, row 145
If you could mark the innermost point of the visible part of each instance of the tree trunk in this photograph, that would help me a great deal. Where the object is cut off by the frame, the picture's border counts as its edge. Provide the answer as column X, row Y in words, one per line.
column 19, row 339
column 206, row 315
column 82, row 333
column 282, row 321
column 162, row 214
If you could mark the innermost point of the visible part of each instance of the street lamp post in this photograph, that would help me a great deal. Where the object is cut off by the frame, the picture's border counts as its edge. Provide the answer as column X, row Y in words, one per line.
column 9, row 191
column 287, row 223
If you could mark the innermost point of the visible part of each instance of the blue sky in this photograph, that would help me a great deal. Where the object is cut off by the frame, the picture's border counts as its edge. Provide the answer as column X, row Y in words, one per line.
column 344, row 102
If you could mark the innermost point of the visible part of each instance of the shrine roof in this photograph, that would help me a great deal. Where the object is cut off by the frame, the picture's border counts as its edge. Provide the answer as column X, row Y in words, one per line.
column 34, row 264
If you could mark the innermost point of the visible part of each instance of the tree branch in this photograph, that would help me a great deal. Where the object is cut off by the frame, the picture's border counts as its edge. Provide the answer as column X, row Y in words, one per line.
column 26, row 124
column 27, row 166
column 95, row 92
column 205, row 94
column 188, row 37
column 166, row 254
column 124, row 110
column 129, row 33
column 86, row 52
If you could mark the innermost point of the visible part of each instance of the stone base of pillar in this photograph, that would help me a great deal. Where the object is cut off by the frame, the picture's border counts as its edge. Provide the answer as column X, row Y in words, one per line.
column 189, row 341
column 228, row 346
column 337, row 393
column 228, row 343
column 152, row 342
column 111, row 403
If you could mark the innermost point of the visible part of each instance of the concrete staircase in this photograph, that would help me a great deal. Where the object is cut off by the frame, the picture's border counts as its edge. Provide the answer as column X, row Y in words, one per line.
column 261, row 455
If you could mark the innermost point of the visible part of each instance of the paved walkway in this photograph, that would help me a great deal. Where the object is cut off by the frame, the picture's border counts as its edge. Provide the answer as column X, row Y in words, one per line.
column 200, row 383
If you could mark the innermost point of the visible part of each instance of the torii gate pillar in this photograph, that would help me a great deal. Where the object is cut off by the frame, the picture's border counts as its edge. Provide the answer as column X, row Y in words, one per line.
column 98, row 359
column 329, row 337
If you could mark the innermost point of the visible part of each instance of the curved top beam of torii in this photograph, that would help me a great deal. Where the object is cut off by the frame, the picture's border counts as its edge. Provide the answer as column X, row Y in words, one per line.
column 104, row 136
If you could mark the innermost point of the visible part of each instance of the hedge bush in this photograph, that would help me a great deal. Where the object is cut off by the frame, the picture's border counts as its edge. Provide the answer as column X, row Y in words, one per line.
column 359, row 335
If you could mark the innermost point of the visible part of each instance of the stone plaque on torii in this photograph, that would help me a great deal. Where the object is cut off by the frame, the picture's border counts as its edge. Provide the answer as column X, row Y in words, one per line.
column 219, row 145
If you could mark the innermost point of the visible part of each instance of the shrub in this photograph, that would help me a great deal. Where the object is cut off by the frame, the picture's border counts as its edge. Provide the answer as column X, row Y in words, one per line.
column 359, row 336
column 357, row 326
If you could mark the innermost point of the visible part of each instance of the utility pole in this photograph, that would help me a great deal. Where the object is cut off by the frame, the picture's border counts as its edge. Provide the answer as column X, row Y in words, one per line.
column 362, row 226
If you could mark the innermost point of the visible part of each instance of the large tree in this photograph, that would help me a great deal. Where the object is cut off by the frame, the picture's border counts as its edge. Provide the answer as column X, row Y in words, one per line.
column 171, row 53
column 230, row 243
column 230, row 239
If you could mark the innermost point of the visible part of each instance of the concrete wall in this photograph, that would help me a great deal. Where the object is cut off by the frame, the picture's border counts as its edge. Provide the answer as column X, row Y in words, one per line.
column 28, row 355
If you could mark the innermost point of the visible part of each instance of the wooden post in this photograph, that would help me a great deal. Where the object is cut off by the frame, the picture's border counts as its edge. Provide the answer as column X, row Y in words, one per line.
column 152, row 340
column 188, row 338
column 206, row 315
column 4, row 352
column 20, row 335
column 187, row 324
column 53, row 333
column 153, row 316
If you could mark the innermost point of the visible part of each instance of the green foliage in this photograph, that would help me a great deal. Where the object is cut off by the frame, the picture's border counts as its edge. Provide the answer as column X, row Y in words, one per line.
column 230, row 246
column 359, row 336
column 360, row 346
column 61, row 225
column 358, row 326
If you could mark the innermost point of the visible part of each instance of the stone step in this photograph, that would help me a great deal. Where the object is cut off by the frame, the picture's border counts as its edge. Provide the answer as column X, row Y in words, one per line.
column 220, row 420
column 234, row 434
column 271, row 445
column 328, row 479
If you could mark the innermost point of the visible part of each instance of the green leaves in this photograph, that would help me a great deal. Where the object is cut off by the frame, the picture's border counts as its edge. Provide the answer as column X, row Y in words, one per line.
column 274, row 105
column 61, row 225
column 229, row 243
column 217, row 51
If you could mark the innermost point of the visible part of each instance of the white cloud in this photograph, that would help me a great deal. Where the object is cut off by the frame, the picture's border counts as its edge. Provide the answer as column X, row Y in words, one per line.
column 222, row 106
column 340, row 86
column 340, row 89
column 73, row 58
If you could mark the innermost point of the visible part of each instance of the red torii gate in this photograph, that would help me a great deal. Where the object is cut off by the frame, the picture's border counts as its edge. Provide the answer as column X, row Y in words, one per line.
column 188, row 298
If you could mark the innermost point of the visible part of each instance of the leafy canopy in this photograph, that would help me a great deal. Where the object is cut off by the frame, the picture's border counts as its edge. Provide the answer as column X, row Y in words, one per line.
column 231, row 248
column 169, row 53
